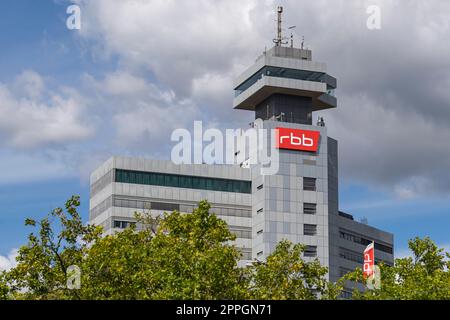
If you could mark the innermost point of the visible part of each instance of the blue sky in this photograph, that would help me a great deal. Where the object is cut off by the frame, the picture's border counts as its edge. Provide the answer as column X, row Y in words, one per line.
column 108, row 79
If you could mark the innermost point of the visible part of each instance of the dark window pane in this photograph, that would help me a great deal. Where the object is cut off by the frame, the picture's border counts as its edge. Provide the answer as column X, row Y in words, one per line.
column 180, row 181
column 309, row 184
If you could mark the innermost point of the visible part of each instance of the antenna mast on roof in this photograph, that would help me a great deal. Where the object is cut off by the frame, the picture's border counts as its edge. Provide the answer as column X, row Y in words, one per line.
column 279, row 39
column 292, row 35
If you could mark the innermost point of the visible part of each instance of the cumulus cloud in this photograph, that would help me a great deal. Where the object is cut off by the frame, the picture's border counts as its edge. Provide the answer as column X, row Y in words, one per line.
column 143, row 114
column 9, row 261
column 30, row 120
column 178, row 41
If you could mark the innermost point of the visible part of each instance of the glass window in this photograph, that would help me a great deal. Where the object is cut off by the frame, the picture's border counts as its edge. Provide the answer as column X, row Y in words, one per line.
column 181, row 181
column 283, row 73
column 309, row 229
column 309, row 184
column 310, row 251
column 309, row 208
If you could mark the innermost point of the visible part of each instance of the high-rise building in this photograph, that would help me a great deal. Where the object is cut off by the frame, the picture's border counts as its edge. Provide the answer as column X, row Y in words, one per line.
column 284, row 87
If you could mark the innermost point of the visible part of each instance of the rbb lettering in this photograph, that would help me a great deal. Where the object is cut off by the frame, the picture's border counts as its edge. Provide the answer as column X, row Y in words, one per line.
column 297, row 139
column 369, row 263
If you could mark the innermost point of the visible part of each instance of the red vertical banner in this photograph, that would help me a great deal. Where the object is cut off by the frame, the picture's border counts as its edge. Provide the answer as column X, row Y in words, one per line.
column 369, row 261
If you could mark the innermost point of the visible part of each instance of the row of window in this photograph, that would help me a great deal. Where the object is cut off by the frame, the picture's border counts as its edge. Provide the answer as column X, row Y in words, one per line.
column 308, row 230
column 343, row 271
column 310, row 251
column 163, row 206
column 238, row 231
column 308, row 208
column 351, row 255
column 141, row 204
column 182, row 181
column 281, row 73
column 357, row 257
column 101, row 183
column 120, row 224
column 145, row 205
column 241, row 233
column 360, row 240
column 100, row 208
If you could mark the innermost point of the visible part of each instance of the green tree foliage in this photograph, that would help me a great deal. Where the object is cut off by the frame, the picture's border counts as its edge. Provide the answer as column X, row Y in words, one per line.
column 423, row 276
column 285, row 275
column 4, row 289
column 191, row 256
column 181, row 256
column 41, row 272
column 176, row 256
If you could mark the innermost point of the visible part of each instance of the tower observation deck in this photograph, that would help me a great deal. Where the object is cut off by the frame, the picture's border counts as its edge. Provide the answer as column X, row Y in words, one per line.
column 286, row 84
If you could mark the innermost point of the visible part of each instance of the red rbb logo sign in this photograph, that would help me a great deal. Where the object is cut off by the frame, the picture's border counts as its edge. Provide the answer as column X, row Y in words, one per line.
column 369, row 260
column 297, row 139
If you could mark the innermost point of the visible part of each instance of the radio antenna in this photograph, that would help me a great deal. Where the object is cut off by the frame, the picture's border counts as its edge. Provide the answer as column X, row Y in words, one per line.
column 292, row 35
column 279, row 39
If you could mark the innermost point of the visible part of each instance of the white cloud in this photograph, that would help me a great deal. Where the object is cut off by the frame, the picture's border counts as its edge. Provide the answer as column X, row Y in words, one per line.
column 9, row 261
column 403, row 150
column 178, row 41
column 30, row 121
column 29, row 84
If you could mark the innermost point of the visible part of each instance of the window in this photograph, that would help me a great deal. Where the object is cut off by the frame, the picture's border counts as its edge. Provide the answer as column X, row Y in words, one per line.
column 310, row 251
column 182, row 181
column 241, row 232
column 346, row 294
column 309, row 208
column 309, row 229
column 361, row 240
column 139, row 204
column 344, row 271
column 165, row 206
column 281, row 73
column 101, row 183
column 309, row 184
column 309, row 162
column 260, row 187
column 122, row 224
column 351, row 255
column 246, row 254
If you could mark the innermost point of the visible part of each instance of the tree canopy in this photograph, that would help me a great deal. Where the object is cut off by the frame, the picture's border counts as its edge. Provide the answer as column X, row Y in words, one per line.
column 423, row 276
column 176, row 256
column 192, row 256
